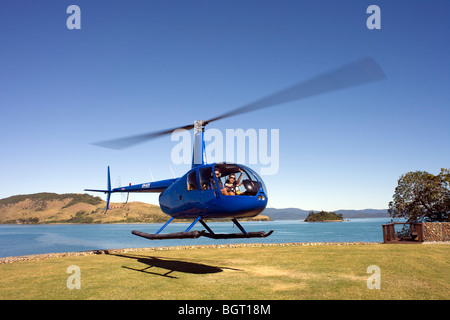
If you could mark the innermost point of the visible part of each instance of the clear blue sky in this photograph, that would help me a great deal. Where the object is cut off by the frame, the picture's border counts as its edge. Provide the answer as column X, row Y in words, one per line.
column 139, row 66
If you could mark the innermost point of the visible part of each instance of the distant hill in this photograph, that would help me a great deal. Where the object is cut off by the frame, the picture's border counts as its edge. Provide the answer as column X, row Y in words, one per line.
column 286, row 214
column 299, row 214
column 73, row 208
column 366, row 213
column 42, row 208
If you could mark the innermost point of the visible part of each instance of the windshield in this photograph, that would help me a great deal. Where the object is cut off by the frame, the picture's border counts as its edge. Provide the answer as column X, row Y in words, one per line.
column 260, row 180
column 235, row 179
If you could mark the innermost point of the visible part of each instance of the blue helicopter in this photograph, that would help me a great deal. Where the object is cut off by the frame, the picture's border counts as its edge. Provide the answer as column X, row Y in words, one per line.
column 208, row 190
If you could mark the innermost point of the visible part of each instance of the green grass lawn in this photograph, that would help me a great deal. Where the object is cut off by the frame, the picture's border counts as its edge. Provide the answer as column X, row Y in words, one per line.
column 269, row 272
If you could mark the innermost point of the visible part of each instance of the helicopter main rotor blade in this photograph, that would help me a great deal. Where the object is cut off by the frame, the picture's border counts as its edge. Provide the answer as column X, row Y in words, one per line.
column 353, row 74
column 121, row 143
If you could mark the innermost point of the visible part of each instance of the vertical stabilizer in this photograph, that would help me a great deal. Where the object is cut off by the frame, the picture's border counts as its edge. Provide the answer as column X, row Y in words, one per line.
column 108, row 197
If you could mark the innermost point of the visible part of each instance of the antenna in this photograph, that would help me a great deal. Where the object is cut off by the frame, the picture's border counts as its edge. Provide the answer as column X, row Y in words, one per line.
column 173, row 175
column 153, row 179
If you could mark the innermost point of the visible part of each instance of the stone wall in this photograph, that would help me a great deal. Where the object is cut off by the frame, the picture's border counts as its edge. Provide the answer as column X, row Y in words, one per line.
column 436, row 231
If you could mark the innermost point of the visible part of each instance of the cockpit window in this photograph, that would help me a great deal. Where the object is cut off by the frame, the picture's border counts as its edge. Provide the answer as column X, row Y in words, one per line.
column 192, row 180
column 238, row 180
column 206, row 179
column 260, row 180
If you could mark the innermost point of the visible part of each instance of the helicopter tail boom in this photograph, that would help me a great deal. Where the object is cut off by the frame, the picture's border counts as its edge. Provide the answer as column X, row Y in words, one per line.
column 155, row 186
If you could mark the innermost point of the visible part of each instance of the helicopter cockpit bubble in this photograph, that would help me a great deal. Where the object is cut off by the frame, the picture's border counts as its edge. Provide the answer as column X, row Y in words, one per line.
column 250, row 181
column 256, row 177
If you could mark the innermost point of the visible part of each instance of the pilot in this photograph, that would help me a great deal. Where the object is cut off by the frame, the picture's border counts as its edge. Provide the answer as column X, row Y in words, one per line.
column 231, row 185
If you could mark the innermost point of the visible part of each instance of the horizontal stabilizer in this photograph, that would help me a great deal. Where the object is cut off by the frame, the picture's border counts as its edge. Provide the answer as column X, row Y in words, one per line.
column 96, row 190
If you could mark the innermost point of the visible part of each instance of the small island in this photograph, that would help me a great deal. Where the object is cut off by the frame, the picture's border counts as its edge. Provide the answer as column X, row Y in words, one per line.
column 323, row 216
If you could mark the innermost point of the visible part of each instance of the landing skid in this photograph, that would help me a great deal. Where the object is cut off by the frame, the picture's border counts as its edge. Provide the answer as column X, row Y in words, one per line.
column 259, row 234
column 196, row 234
column 175, row 235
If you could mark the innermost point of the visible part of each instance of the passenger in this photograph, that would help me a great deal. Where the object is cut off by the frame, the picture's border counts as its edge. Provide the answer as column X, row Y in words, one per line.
column 231, row 185
column 220, row 184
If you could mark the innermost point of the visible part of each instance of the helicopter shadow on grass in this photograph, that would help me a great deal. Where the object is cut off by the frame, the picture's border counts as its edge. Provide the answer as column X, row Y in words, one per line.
column 172, row 266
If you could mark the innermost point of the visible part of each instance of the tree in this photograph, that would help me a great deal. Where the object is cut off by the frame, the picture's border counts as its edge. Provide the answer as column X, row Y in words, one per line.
column 420, row 195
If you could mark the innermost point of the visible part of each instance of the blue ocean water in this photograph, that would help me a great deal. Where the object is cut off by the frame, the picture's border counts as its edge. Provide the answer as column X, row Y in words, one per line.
column 17, row 240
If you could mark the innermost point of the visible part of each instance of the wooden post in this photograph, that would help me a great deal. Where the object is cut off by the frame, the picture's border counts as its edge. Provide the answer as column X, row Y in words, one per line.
column 384, row 234
column 419, row 230
column 392, row 232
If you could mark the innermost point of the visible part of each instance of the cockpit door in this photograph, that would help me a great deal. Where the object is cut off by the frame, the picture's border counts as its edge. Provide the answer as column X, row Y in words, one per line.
column 208, row 184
